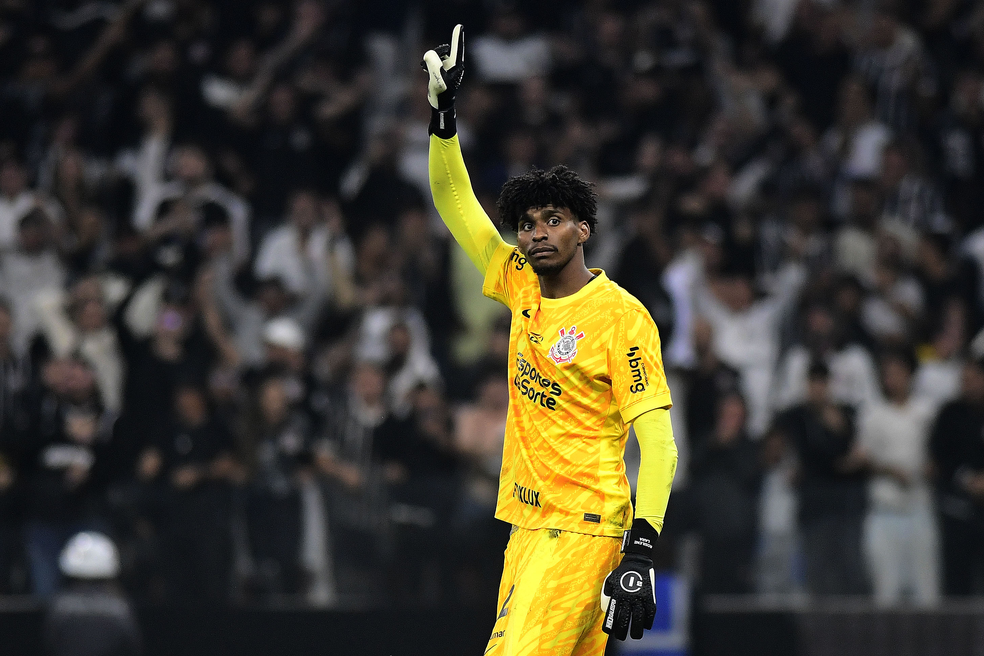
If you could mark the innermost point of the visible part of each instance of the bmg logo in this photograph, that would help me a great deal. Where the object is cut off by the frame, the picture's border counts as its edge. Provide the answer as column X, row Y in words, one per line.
column 640, row 377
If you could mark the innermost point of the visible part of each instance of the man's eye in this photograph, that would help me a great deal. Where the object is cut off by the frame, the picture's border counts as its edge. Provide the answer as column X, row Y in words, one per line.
column 554, row 221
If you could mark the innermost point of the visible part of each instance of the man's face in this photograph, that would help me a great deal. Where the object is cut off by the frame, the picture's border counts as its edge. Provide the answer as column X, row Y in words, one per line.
column 191, row 165
column 896, row 378
column 817, row 390
column 12, row 179
column 32, row 239
column 549, row 238
column 304, row 211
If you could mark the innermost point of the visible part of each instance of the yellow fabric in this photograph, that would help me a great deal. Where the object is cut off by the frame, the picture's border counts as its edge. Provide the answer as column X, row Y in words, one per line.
column 549, row 595
column 582, row 368
column 657, row 465
column 456, row 202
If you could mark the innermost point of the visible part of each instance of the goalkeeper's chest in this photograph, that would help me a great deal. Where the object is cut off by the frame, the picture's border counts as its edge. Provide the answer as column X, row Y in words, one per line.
column 560, row 365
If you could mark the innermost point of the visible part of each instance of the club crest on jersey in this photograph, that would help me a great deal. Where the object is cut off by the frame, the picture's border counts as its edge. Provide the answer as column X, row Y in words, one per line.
column 565, row 348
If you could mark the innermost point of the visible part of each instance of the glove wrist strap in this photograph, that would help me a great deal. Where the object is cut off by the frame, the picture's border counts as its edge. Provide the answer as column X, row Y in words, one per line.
column 442, row 123
column 640, row 539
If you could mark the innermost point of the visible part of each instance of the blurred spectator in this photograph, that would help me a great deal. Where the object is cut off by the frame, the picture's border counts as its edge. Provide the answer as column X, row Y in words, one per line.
column 9, row 517
column 419, row 467
column 641, row 265
column 67, row 445
column 711, row 381
column 92, row 617
column 960, row 155
column 16, row 377
column 285, row 343
column 893, row 304
column 848, row 297
column 408, row 367
column 309, row 253
column 80, row 324
column 393, row 334
column 425, row 262
column 815, row 59
column 901, row 541
column 374, row 191
column 803, row 221
column 831, row 487
column 190, row 201
column 939, row 373
column 779, row 555
column 944, row 279
column 856, row 245
column 726, row 475
column 891, row 58
column 285, row 151
column 198, row 464
column 163, row 343
column 16, row 201
column 746, row 332
column 280, row 440
column 910, row 199
column 853, row 380
column 357, row 501
column 958, row 458
column 855, row 142
column 32, row 268
column 247, row 316
column 509, row 52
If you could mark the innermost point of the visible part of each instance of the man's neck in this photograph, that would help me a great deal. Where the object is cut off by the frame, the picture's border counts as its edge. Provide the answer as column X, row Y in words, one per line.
column 565, row 282
column 899, row 400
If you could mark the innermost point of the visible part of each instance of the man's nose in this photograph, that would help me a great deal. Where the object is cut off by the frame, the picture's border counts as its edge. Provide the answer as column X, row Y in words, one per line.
column 539, row 232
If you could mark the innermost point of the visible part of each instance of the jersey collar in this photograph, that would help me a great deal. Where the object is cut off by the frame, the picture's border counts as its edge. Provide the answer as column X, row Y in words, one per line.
column 589, row 288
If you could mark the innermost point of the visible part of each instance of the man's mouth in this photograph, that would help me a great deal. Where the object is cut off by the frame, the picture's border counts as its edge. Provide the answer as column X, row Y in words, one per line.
column 541, row 250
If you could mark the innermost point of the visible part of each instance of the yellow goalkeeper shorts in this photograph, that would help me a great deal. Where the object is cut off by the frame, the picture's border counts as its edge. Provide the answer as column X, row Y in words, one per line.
column 549, row 597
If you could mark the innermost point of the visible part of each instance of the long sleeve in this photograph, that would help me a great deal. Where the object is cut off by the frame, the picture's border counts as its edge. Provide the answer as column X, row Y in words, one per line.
column 657, row 465
column 789, row 283
column 457, row 204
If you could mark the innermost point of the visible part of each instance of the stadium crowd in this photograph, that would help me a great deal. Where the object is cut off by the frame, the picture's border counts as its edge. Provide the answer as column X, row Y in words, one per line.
column 235, row 336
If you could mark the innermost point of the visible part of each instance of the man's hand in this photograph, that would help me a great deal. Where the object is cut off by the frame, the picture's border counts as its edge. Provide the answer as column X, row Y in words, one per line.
column 629, row 592
column 445, row 66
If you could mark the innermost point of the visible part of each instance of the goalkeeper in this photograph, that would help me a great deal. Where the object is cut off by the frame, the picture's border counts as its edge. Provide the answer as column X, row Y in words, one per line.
column 584, row 364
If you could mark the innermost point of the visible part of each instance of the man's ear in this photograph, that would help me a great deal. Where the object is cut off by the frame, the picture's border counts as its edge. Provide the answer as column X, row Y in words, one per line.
column 585, row 231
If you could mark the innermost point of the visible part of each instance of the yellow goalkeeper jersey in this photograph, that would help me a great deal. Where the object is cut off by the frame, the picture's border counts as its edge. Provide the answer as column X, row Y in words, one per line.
column 581, row 368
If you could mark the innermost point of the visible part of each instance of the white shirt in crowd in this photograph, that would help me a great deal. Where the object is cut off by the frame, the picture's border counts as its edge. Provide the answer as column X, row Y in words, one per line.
column 305, row 270
column 938, row 380
column 748, row 340
column 853, row 377
column 12, row 210
column 897, row 436
column 22, row 277
column 502, row 61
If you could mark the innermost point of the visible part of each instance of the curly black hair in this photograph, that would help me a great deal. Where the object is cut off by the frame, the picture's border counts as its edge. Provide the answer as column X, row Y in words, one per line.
column 559, row 187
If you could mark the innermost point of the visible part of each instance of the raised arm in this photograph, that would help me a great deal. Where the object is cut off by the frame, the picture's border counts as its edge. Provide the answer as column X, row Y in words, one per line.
column 456, row 202
column 450, row 185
